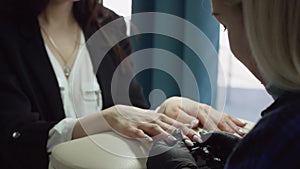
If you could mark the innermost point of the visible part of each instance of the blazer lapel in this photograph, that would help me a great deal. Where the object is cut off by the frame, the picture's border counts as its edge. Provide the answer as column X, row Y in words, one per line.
column 40, row 71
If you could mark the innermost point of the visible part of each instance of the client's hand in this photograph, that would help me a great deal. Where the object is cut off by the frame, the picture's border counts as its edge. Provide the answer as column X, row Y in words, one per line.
column 139, row 123
column 171, row 156
column 196, row 114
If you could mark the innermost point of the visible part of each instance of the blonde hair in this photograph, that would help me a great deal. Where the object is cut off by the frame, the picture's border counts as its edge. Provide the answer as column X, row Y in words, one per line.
column 273, row 31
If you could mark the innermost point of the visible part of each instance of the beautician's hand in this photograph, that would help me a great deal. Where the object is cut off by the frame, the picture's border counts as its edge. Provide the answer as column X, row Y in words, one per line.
column 175, row 156
column 220, row 144
column 134, row 122
column 196, row 114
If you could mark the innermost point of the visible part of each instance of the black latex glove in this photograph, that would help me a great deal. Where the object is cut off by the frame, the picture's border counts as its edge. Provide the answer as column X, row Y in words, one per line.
column 219, row 144
column 174, row 156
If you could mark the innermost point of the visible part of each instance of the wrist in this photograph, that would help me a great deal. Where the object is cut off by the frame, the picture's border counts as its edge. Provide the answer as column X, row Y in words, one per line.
column 92, row 124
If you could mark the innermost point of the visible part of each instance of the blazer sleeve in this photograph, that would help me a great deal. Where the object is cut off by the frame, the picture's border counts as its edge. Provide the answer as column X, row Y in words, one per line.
column 24, row 132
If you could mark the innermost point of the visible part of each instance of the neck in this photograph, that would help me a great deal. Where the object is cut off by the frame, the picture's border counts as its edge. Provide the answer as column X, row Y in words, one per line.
column 58, row 14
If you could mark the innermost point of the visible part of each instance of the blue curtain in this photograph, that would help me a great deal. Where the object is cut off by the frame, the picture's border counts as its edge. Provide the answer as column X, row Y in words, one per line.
column 159, row 84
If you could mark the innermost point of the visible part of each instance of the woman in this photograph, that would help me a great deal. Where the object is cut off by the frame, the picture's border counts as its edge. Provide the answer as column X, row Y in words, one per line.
column 265, row 36
column 42, row 46
column 273, row 32
column 49, row 92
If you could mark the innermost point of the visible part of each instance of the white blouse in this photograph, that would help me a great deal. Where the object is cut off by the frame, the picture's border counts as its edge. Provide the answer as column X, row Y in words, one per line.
column 81, row 94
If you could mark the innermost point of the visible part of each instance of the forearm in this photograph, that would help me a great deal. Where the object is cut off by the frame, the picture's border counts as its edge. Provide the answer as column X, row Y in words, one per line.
column 91, row 124
column 128, row 121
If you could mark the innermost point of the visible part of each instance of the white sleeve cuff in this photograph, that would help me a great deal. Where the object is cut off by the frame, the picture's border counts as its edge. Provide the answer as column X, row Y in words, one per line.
column 61, row 132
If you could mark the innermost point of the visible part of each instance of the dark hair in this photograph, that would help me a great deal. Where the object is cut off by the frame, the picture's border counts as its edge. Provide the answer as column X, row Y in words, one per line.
column 88, row 13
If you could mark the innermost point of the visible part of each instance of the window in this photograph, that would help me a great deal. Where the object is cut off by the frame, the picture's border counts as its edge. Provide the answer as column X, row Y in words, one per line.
column 245, row 95
column 122, row 9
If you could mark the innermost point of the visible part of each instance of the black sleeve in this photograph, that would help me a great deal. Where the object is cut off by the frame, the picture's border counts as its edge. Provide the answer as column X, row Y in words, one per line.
column 24, row 134
column 165, row 155
column 219, row 143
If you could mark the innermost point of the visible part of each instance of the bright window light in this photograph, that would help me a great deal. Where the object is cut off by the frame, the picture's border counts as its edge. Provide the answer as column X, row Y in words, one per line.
column 245, row 95
column 121, row 7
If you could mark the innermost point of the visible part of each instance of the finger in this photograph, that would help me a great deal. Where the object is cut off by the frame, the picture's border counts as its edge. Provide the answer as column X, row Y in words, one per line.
column 174, row 123
column 142, row 137
column 186, row 129
column 236, row 128
column 136, row 133
column 230, row 121
column 208, row 117
column 157, row 132
column 208, row 122
column 187, row 141
column 188, row 133
column 193, row 135
column 185, row 118
column 226, row 125
column 237, row 121
column 209, row 125
column 169, row 127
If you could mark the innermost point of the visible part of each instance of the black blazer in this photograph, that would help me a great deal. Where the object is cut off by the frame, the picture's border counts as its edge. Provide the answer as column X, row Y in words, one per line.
column 30, row 101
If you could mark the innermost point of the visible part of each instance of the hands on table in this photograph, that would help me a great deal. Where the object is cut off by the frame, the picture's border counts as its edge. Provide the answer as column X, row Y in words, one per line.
column 175, row 112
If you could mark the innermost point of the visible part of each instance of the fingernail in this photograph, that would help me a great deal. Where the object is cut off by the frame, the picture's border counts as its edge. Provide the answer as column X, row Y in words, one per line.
column 203, row 131
column 188, row 143
column 243, row 122
column 149, row 139
column 172, row 138
column 242, row 131
column 197, row 139
column 237, row 135
column 177, row 131
column 195, row 122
